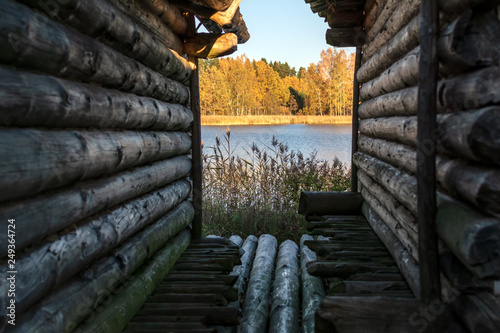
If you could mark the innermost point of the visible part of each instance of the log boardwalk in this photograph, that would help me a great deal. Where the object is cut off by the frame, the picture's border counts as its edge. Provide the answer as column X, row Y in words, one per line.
column 101, row 175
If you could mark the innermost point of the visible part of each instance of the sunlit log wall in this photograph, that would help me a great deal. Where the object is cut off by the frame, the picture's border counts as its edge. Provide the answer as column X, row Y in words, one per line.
column 95, row 144
column 468, row 161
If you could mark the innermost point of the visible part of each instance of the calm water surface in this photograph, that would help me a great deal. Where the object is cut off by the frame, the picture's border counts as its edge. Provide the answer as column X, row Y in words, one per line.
column 328, row 140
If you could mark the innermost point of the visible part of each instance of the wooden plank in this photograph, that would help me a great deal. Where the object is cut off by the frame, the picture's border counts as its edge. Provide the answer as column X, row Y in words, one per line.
column 229, row 293
column 324, row 203
column 169, row 319
column 226, row 316
column 179, row 297
column 228, row 280
column 430, row 282
column 355, row 119
column 345, row 269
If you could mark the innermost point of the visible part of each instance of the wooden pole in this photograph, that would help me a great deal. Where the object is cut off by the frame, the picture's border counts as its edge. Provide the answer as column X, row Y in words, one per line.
column 430, row 284
column 355, row 122
column 196, row 170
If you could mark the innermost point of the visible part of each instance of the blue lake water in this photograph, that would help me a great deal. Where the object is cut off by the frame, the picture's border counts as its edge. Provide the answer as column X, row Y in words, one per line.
column 328, row 140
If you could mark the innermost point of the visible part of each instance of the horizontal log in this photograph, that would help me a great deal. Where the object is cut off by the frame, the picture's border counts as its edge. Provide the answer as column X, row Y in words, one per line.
column 403, row 12
column 122, row 307
column 255, row 310
column 209, row 46
column 456, row 7
column 54, row 263
column 171, row 15
column 142, row 13
column 458, row 93
column 383, row 13
column 243, row 271
column 324, row 203
column 462, row 230
column 345, row 37
column 42, row 160
column 49, row 213
column 46, row 46
column 382, row 314
column 80, row 296
column 403, row 42
column 339, row 18
column 214, row 4
column 285, row 307
column 32, row 100
column 479, row 311
column 402, row 74
column 105, row 22
column 394, row 207
column 372, row 11
column 468, row 134
column 312, row 287
column 476, row 184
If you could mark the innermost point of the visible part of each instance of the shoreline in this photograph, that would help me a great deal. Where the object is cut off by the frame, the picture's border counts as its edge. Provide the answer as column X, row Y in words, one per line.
column 274, row 120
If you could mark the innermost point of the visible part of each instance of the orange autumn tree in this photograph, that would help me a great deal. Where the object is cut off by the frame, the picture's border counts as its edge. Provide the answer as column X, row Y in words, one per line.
column 240, row 87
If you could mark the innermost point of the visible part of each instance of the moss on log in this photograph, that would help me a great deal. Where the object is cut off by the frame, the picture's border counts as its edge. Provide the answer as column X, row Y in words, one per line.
column 285, row 306
column 33, row 41
column 75, row 300
column 54, row 263
column 121, row 308
column 47, row 214
column 32, row 100
column 255, row 312
column 41, row 160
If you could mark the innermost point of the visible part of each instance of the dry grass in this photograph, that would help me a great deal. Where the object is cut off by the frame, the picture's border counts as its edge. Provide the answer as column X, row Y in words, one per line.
column 274, row 120
column 259, row 193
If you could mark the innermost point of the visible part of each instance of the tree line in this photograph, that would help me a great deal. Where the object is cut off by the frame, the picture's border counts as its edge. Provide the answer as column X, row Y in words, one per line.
column 240, row 87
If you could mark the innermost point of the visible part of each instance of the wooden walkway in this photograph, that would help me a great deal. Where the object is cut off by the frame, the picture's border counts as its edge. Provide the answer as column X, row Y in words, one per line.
column 352, row 258
column 195, row 297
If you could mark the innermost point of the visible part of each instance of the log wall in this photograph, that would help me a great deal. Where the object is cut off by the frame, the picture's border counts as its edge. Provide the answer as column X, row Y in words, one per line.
column 468, row 143
column 95, row 139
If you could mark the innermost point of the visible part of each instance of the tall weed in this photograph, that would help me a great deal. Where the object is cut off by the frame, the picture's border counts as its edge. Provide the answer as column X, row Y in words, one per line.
column 259, row 193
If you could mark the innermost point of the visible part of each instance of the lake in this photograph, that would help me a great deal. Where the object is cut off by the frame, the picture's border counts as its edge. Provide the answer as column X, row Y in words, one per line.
column 328, row 140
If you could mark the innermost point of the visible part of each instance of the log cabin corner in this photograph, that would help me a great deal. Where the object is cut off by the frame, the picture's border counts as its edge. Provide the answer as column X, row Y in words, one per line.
column 100, row 201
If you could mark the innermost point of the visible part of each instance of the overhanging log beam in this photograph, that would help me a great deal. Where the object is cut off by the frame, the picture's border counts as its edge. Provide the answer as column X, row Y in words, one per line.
column 209, row 46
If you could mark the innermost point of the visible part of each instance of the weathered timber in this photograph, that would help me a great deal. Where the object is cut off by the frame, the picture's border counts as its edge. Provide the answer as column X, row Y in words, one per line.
column 478, row 312
column 375, row 286
column 344, row 18
column 469, row 134
column 243, row 271
column 360, row 314
column 406, row 263
column 355, row 119
column 171, row 15
column 382, row 14
column 53, row 263
column 324, row 247
column 474, row 183
column 323, row 203
column 211, row 298
column 469, row 42
column 255, row 310
column 406, row 219
column 31, row 100
column 372, row 11
column 312, row 287
column 458, row 93
column 344, row 269
column 377, row 277
column 44, row 45
column 408, row 238
column 402, row 74
column 345, row 37
column 41, row 160
column 227, row 280
column 227, row 315
column 215, row 4
column 142, row 13
column 473, row 238
column 74, row 301
column 285, row 306
column 238, row 27
column 236, row 240
column 104, row 22
column 403, row 42
column 169, row 319
column 229, row 293
column 456, row 7
column 403, row 13
column 120, row 309
column 49, row 213
column 209, row 46
column 134, row 327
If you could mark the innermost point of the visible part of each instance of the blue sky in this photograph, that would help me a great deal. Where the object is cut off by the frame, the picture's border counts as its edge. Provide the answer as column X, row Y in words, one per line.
column 286, row 31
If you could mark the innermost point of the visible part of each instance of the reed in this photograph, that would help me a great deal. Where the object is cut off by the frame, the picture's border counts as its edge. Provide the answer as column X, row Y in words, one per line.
column 259, row 193
column 274, row 120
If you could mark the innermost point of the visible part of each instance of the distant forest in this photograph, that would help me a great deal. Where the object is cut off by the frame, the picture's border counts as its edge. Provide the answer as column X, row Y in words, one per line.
column 240, row 87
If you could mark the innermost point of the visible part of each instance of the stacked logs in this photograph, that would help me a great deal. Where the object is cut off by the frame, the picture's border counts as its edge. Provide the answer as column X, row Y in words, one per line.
column 468, row 146
column 95, row 149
